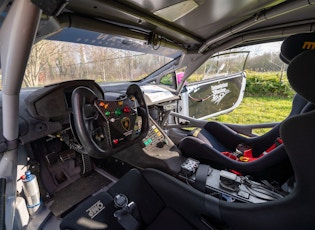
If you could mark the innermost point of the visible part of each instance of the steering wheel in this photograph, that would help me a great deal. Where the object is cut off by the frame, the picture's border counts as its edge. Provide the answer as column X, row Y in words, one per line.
column 105, row 127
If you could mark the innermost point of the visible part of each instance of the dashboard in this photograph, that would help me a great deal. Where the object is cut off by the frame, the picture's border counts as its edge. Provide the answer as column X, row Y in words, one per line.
column 45, row 127
column 46, row 111
column 53, row 103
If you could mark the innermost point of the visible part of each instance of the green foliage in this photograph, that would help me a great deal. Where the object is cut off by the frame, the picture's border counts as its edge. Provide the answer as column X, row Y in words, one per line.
column 267, row 84
column 195, row 78
column 167, row 79
column 268, row 98
column 255, row 110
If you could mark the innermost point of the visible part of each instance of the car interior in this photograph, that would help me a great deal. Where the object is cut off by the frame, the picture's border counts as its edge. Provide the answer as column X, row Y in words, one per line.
column 207, row 144
column 139, row 151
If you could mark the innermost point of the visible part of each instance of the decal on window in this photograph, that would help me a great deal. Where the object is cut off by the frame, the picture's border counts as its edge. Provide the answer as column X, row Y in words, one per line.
column 219, row 92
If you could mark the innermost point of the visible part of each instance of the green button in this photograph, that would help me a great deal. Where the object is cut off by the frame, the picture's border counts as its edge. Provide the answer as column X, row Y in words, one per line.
column 107, row 113
column 118, row 112
column 147, row 142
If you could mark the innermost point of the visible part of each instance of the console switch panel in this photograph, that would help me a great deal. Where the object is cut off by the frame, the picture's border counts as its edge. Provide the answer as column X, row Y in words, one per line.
column 189, row 167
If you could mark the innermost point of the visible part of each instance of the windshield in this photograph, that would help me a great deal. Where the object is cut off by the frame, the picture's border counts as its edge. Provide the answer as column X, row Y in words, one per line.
column 54, row 61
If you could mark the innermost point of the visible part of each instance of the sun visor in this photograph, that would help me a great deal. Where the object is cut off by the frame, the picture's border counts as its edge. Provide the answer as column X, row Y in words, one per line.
column 105, row 40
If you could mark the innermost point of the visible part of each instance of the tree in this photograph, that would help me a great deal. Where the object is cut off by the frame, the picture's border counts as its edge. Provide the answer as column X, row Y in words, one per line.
column 53, row 61
column 40, row 58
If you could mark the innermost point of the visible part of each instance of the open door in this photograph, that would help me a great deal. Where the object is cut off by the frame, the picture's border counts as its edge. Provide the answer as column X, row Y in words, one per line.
column 217, row 87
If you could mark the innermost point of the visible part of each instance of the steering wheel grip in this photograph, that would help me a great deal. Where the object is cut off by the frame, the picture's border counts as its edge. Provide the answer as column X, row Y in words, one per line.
column 142, row 109
column 83, row 96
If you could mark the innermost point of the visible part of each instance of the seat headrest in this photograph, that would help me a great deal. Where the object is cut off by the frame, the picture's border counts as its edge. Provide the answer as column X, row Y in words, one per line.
column 301, row 74
column 296, row 44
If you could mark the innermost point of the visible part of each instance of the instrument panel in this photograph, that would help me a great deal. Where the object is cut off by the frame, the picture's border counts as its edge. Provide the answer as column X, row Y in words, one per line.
column 53, row 102
column 46, row 110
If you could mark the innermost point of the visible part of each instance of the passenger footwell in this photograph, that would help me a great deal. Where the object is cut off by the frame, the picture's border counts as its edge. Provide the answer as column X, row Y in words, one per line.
column 76, row 192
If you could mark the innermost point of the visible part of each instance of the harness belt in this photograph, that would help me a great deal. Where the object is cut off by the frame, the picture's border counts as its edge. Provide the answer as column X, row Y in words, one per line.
column 201, row 177
column 245, row 154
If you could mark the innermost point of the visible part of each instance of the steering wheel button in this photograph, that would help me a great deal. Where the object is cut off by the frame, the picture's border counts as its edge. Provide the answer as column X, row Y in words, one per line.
column 127, row 109
column 103, row 104
column 118, row 112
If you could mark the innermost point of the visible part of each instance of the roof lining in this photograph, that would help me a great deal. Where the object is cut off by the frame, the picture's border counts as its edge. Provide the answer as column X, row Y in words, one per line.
column 258, row 18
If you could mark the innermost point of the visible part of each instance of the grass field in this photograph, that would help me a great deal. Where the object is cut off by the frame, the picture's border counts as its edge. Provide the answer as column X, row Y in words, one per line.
column 254, row 110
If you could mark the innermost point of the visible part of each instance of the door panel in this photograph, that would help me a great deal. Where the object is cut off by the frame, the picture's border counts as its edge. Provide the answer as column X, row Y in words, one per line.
column 217, row 87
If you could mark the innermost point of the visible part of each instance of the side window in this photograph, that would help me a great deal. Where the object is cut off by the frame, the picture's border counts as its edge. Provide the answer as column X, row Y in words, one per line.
column 220, row 65
column 168, row 80
column 173, row 79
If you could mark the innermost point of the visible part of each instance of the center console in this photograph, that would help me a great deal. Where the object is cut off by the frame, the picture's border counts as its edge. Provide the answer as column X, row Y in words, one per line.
column 228, row 185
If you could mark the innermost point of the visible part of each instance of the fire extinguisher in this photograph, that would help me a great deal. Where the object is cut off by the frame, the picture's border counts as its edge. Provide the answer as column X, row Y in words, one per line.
column 31, row 192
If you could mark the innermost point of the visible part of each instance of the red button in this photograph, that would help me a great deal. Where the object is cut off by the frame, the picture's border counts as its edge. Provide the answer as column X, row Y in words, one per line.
column 127, row 109
column 115, row 141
